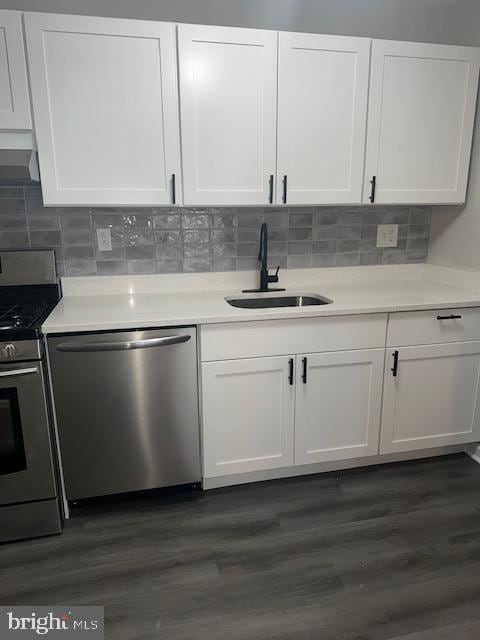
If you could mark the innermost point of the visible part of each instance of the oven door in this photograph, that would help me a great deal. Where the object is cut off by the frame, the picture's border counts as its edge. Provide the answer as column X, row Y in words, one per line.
column 26, row 467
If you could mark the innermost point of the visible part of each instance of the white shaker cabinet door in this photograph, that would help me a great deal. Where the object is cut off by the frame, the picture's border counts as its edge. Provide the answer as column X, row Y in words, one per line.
column 338, row 405
column 228, row 80
column 322, row 113
column 433, row 399
column 14, row 98
column 248, row 415
column 420, row 123
column 105, row 103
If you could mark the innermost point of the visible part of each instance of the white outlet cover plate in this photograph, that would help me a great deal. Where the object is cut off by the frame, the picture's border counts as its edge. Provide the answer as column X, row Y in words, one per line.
column 104, row 239
column 387, row 235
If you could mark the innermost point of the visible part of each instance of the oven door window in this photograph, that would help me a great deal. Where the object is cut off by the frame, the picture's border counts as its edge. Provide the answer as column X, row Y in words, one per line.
column 12, row 450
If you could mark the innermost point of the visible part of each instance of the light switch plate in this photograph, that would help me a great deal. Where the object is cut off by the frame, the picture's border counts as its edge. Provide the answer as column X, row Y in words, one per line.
column 104, row 239
column 387, row 235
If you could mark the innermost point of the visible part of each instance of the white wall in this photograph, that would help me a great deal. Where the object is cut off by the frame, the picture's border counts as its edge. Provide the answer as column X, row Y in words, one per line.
column 455, row 231
column 449, row 21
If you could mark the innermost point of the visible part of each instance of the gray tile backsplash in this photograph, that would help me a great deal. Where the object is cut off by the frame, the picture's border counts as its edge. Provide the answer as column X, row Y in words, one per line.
column 168, row 240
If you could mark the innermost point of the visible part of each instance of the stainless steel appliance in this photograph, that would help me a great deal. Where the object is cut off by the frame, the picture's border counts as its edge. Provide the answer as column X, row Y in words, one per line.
column 28, row 491
column 127, row 410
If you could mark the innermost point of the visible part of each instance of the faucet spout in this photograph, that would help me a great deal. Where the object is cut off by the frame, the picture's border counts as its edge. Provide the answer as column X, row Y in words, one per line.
column 263, row 257
column 263, row 248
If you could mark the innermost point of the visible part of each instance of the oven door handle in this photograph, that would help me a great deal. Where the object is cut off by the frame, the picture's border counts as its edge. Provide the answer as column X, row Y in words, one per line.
column 18, row 372
column 122, row 346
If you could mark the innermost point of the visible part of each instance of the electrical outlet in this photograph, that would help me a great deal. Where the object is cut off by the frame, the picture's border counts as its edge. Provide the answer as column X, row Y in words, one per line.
column 104, row 239
column 387, row 235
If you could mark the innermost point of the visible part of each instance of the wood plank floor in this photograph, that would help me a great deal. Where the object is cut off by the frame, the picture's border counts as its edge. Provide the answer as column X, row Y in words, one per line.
column 371, row 554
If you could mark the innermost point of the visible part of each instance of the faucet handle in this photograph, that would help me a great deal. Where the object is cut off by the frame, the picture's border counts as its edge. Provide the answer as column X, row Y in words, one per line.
column 275, row 277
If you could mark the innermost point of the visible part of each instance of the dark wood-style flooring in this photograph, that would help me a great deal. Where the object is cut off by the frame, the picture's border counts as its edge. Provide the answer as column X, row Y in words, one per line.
column 370, row 554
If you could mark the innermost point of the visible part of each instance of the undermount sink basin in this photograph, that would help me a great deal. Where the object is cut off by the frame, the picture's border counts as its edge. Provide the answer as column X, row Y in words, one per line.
column 271, row 302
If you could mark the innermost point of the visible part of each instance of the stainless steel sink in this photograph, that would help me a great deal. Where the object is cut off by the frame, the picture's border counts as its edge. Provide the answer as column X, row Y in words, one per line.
column 266, row 301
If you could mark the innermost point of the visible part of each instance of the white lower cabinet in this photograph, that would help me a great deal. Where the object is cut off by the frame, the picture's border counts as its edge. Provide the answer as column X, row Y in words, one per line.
column 248, row 415
column 338, row 405
column 276, row 411
column 433, row 399
column 256, row 409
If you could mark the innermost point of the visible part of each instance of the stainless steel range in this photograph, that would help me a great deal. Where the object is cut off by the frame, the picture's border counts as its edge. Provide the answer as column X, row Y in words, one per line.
column 29, row 503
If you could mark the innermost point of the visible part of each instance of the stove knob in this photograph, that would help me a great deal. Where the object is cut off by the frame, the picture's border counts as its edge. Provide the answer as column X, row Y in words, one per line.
column 9, row 351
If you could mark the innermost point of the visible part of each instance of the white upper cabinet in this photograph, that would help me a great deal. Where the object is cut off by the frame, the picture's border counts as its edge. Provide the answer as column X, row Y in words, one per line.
column 322, row 113
column 228, row 80
column 14, row 98
column 105, row 104
column 108, row 111
column 420, row 123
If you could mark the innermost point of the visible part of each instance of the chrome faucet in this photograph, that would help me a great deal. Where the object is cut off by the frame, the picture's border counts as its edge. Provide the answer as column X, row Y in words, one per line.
column 265, row 277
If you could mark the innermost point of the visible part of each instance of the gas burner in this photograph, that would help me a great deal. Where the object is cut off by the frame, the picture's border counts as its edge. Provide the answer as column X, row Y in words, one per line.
column 13, row 321
column 21, row 315
column 6, row 327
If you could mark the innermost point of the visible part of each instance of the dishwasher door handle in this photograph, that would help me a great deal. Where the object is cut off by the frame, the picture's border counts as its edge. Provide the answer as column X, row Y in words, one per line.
column 122, row 346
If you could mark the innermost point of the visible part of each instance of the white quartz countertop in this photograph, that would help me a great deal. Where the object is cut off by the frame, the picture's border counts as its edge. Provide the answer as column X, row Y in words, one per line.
column 77, row 313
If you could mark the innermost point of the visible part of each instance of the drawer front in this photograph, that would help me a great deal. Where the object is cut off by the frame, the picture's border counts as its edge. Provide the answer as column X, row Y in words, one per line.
column 233, row 340
column 433, row 327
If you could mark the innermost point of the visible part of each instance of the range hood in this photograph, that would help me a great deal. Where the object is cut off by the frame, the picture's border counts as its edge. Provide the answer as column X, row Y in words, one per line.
column 18, row 158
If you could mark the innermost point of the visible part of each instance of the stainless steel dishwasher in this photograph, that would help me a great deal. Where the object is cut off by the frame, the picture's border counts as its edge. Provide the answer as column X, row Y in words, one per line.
column 127, row 410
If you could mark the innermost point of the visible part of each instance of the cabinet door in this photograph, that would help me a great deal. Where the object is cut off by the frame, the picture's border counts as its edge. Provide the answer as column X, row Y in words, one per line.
column 228, row 81
column 433, row 400
column 322, row 112
column 14, row 98
column 338, row 405
column 106, row 112
column 420, row 123
column 248, row 414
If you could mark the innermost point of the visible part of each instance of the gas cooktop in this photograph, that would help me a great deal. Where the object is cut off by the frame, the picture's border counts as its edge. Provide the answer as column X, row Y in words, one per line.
column 22, row 319
column 28, row 293
column 21, row 315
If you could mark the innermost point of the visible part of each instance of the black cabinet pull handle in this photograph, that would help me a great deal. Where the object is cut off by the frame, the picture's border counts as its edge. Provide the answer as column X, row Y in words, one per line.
column 304, row 374
column 284, row 197
column 174, row 191
column 290, row 371
column 452, row 317
column 270, row 189
column 394, row 369
column 373, row 182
